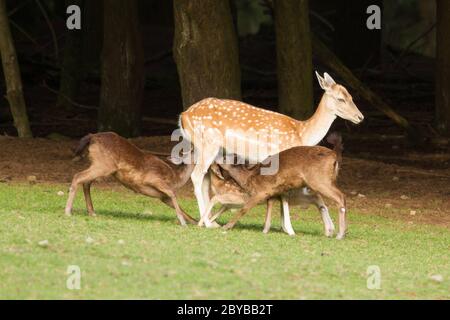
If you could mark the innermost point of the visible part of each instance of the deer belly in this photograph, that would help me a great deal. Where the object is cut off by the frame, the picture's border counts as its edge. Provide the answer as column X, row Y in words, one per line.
column 251, row 145
column 131, row 180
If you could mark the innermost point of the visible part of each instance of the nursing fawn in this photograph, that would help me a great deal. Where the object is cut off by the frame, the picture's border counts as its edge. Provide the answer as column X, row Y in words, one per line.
column 112, row 155
column 313, row 167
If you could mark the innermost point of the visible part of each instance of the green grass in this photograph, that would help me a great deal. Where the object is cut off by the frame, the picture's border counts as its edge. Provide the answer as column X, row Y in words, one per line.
column 138, row 251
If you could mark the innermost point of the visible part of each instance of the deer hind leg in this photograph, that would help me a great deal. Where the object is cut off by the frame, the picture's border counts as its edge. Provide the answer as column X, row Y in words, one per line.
column 268, row 221
column 330, row 190
column 83, row 177
column 88, row 199
column 286, row 224
column 201, row 185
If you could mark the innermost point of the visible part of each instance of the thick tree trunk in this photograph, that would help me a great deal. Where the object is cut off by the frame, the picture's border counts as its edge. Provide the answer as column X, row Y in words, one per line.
column 71, row 69
column 205, row 50
column 122, row 69
column 294, row 58
column 443, row 68
column 14, row 91
column 92, row 36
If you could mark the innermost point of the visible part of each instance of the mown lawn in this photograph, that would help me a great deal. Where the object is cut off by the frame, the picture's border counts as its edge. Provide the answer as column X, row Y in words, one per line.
column 134, row 249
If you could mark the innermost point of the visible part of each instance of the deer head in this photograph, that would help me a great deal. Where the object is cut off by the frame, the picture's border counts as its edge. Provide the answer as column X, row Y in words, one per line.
column 339, row 101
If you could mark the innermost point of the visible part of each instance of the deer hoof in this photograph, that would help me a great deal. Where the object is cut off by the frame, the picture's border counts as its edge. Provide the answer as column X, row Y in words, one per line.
column 340, row 236
column 214, row 225
column 228, row 226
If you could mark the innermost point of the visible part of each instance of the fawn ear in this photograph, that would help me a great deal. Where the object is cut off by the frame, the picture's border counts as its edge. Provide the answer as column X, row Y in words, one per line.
column 175, row 160
column 216, row 170
column 322, row 81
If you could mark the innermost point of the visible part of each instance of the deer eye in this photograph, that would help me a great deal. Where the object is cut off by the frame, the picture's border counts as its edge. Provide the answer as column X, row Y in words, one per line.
column 341, row 100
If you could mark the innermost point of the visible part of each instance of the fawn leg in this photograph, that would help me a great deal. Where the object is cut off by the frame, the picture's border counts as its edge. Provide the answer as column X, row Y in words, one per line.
column 167, row 191
column 222, row 209
column 82, row 177
column 330, row 190
column 168, row 201
column 242, row 212
column 323, row 209
column 286, row 217
column 88, row 199
column 268, row 221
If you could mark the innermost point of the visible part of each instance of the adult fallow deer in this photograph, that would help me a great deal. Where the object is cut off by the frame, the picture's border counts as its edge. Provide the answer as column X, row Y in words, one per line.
column 213, row 124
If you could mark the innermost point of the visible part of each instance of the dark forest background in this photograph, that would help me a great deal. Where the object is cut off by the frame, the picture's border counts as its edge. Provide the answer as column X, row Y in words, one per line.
column 135, row 64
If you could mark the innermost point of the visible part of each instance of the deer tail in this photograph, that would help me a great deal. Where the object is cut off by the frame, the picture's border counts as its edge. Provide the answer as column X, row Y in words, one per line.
column 82, row 145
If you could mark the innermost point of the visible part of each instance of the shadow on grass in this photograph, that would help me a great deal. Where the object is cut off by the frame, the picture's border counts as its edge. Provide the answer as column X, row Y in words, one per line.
column 165, row 218
column 136, row 216
column 259, row 227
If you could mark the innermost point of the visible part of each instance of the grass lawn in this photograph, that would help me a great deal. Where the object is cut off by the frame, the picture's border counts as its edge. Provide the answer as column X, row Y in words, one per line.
column 134, row 249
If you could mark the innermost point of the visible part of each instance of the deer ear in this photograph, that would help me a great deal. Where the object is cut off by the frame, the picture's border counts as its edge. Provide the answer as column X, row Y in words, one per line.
column 329, row 80
column 322, row 81
column 216, row 170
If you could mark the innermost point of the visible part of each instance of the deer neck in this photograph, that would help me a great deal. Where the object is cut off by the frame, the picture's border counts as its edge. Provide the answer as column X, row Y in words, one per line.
column 184, row 173
column 314, row 129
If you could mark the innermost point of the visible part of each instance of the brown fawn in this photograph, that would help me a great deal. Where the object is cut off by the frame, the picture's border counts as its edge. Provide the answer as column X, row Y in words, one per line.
column 137, row 170
column 314, row 167
column 215, row 124
column 227, row 192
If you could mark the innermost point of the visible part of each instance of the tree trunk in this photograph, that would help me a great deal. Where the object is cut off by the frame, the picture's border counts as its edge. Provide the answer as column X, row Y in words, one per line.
column 294, row 58
column 14, row 91
column 206, row 50
column 443, row 68
column 122, row 69
column 71, row 69
column 92, row 36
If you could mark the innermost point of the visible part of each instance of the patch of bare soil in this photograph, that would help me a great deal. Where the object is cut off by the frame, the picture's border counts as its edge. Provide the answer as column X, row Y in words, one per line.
column 402, row 187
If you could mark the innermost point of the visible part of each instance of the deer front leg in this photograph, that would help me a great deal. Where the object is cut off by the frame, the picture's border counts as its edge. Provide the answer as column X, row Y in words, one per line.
column 185, row 216
column 243, row 211
column 201, row 182
column 208, row 211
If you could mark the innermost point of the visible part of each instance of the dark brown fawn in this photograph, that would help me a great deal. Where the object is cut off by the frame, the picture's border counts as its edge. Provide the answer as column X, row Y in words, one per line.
column 137, row 170
column 313, row 167
column 229, row 195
